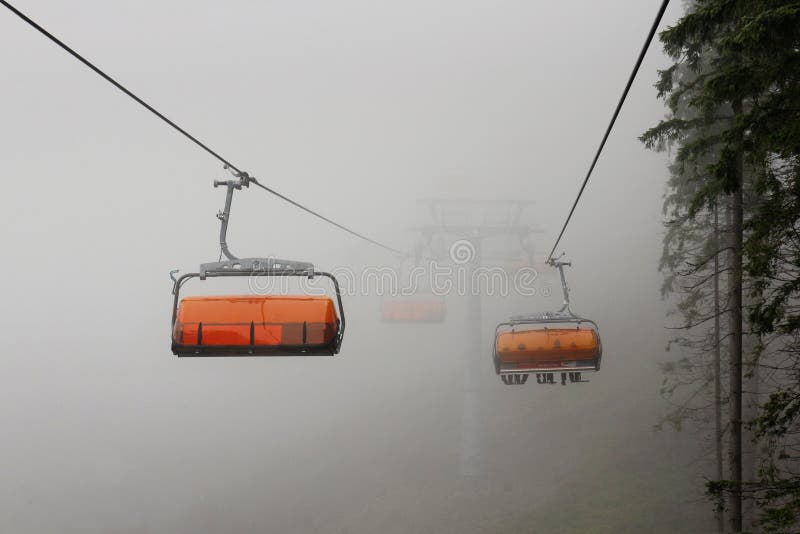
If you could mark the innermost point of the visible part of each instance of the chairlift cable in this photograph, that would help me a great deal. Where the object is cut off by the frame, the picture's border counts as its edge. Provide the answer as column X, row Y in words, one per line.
column 334, row 223
column 647, row 42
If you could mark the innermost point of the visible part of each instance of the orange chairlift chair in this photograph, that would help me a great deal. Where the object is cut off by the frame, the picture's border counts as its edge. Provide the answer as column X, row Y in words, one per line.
column 413, row 305
column 417, row 303
column 547, row 343
column 413, row 309
column 254, row 325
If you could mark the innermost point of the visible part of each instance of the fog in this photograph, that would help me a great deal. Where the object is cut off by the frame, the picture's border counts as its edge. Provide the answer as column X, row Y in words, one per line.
column 359, row 110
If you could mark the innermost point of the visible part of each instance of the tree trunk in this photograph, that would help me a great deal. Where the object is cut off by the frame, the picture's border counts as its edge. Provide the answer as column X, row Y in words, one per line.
column 735, row 330
column 750, row 451
column 749, row 413
column 720, row 514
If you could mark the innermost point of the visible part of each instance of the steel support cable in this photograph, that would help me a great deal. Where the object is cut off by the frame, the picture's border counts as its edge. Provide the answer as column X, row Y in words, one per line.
column 182, row 131
column 327, row 220
column 632, row 77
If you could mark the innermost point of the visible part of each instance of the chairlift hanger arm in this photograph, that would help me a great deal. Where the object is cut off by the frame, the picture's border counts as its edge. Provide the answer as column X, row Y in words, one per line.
column 563, row 315
column 559, row 264
column 243, row 180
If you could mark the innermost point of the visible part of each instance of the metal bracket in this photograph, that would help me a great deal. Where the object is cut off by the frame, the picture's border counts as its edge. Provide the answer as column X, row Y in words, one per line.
column 547, row 317
column 258, row 266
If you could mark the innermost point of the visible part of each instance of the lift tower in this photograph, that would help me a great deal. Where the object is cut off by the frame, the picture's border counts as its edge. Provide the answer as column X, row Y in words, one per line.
column 465, row 234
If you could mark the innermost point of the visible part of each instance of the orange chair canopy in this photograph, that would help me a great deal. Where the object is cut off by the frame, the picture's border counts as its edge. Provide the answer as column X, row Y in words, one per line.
column 547, row 344
column 254, row 321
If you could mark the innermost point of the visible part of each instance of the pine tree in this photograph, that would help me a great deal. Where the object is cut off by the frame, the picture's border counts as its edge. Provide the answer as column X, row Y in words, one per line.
column 693, row 265
column 743, row 91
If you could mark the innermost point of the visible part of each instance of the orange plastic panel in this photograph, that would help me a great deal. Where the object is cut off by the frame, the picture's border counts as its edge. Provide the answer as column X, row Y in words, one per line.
column 233, row 320
column 547, row 344
column 415, row 311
